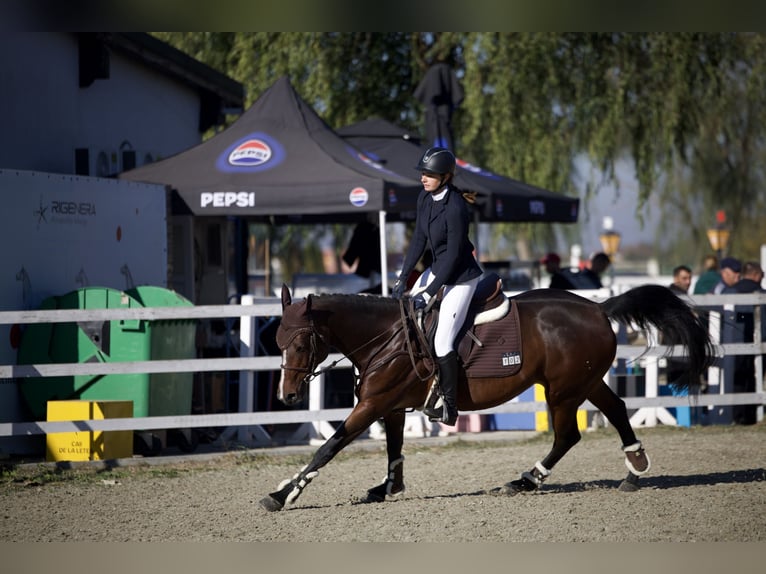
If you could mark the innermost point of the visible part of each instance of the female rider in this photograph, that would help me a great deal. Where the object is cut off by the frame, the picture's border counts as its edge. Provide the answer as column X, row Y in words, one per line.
column 442, row 226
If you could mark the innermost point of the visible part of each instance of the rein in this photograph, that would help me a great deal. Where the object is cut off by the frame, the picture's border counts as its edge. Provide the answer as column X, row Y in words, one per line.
column 313, row 372
column 423, row 342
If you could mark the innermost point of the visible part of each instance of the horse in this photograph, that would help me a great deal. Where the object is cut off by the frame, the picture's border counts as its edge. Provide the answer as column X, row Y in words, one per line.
column 569, row 344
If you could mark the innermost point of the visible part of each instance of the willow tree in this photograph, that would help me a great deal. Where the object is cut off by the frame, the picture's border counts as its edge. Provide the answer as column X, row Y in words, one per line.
column 686, row 109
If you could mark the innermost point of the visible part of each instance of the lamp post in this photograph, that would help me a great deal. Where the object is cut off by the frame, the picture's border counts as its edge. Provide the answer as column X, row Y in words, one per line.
column 610, row 244
column 718, row 235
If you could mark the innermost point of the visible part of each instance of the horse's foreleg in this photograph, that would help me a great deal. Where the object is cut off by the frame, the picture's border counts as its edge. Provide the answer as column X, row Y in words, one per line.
column 614, row 410
column 393, row 484
column 289, row 490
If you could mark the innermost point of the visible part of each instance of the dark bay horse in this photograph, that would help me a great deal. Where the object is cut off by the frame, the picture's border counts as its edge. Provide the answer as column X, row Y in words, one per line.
column 568, row 343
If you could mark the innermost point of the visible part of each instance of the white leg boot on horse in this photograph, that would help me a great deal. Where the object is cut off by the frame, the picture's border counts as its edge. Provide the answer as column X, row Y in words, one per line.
column 445, row 409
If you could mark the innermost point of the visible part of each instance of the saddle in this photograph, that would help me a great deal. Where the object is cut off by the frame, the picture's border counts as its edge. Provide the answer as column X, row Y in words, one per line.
column 489, row 343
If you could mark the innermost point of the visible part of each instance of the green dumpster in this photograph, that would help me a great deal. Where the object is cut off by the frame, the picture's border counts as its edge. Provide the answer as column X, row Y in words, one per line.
column 169, row 393
column 158, row 394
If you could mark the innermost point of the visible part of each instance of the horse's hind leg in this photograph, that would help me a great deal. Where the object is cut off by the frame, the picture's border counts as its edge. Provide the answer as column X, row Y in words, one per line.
column 614, row 410
column 565, row 436
column 393, row 483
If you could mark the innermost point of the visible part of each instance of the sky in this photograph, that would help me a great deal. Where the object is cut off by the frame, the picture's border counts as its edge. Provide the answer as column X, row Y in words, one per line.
column 619, row 203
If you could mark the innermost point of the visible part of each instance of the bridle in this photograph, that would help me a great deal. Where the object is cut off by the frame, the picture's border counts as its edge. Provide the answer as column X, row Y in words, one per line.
column 312, row 371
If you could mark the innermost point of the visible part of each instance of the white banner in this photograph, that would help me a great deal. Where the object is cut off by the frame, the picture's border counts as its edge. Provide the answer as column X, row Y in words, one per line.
column 59, row 233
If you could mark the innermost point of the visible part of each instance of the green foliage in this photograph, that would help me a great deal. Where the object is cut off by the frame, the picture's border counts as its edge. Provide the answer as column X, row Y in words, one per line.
column 686, row 108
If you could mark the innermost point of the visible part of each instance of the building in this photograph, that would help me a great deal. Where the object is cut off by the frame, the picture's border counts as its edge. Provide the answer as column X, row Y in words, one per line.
column 97, row 104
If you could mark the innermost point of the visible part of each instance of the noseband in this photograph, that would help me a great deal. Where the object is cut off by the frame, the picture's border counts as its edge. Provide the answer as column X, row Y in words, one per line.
column 312, row 371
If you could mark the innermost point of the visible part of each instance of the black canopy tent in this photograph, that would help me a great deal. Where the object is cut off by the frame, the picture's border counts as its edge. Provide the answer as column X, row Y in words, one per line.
column 281, row 163
column 280, row 159
column 498, row 198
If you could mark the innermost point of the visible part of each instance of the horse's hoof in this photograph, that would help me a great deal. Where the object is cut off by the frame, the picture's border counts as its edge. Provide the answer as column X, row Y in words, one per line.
column 627, row 487
column 377, row 494
column 504, row 490
column 271, row 504
column 630, row 484
column 380, row 493
column 508, row 489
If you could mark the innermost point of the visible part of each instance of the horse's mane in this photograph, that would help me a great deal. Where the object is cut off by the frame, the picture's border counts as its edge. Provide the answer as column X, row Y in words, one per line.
column 355, row 302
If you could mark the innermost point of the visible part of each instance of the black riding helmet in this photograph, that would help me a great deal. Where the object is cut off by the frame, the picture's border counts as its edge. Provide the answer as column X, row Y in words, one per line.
column 437, row 160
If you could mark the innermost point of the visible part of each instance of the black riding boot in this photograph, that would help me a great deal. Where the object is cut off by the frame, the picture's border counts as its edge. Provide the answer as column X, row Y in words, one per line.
column 445, row 409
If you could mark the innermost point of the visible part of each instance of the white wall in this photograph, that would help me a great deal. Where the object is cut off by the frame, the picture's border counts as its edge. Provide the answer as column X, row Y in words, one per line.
column 46, row 115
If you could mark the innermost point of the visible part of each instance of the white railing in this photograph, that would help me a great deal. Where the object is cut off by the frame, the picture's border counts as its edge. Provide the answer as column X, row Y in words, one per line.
column 249, row 425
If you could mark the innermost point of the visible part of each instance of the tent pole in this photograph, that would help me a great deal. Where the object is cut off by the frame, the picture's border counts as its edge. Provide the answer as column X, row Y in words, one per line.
column 476, row 235
column 383, row 253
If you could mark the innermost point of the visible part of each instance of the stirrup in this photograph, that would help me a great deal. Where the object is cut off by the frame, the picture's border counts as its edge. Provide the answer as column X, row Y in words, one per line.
column 440, row 412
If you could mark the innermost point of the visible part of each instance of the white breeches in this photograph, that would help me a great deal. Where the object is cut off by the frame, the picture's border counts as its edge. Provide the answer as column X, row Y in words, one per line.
column 452, row 313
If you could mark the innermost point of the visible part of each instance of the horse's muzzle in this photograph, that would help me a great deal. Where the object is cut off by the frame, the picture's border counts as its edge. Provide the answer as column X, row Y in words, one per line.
column 291, row 399
column 293, row 395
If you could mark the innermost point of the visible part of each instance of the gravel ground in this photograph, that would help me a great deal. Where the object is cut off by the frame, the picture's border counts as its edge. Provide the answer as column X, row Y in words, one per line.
column 706, row 484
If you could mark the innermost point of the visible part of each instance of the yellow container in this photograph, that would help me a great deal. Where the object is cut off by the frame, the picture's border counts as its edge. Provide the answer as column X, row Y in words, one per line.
column 96, row 445
column 541, row 417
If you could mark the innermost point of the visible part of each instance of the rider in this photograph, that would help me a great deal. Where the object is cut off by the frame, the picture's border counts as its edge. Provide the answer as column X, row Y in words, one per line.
column 442, row 226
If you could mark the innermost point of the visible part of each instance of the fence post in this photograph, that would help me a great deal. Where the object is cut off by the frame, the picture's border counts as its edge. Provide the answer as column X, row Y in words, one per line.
column 649, row 416
column 247, row 344
column 728, row 334
column 758, row 362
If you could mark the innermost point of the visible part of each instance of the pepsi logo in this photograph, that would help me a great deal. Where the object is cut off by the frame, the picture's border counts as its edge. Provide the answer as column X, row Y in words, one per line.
column 250, row 153
column 467, row 166
column 358, row 197
column 369, row 161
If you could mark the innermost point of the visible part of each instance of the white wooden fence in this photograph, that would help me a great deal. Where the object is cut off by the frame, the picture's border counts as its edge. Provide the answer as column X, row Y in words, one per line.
column 249, row 425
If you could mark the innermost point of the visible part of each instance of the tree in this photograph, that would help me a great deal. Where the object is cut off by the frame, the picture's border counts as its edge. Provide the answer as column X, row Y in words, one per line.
column 686, row 108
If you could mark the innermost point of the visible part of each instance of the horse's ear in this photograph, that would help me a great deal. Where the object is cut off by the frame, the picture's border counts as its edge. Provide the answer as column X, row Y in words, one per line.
column 286, row 299
column 308, row 303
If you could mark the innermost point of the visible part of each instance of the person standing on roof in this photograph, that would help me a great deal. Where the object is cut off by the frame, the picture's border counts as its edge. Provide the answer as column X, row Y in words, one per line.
column 441, row 226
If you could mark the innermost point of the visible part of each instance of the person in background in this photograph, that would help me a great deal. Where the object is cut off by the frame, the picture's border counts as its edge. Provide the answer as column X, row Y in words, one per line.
column 552, row 264
column 441, row 226
column 678, row 366
column 364, row 251
column 709, row 276
column 682, row 279
column 750, row 281
column 730, row 270
column 744, row 365
column 598, row 264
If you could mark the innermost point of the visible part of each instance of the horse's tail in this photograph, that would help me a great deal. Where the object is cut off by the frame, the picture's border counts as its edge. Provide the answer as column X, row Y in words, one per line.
column 658, row 306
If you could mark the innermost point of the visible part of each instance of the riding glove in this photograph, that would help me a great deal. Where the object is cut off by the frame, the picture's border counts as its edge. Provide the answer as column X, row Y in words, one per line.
column 419, row 301
column 398, row 289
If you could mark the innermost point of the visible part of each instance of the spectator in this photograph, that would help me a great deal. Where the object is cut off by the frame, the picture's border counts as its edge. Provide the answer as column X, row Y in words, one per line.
column 598, row 264
column 364, row 251
column 730, row 269
column 552, row 264
column 682, row 279
column 709, row 276
column 588, row 278
column 744, row 365
column 678, row 366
